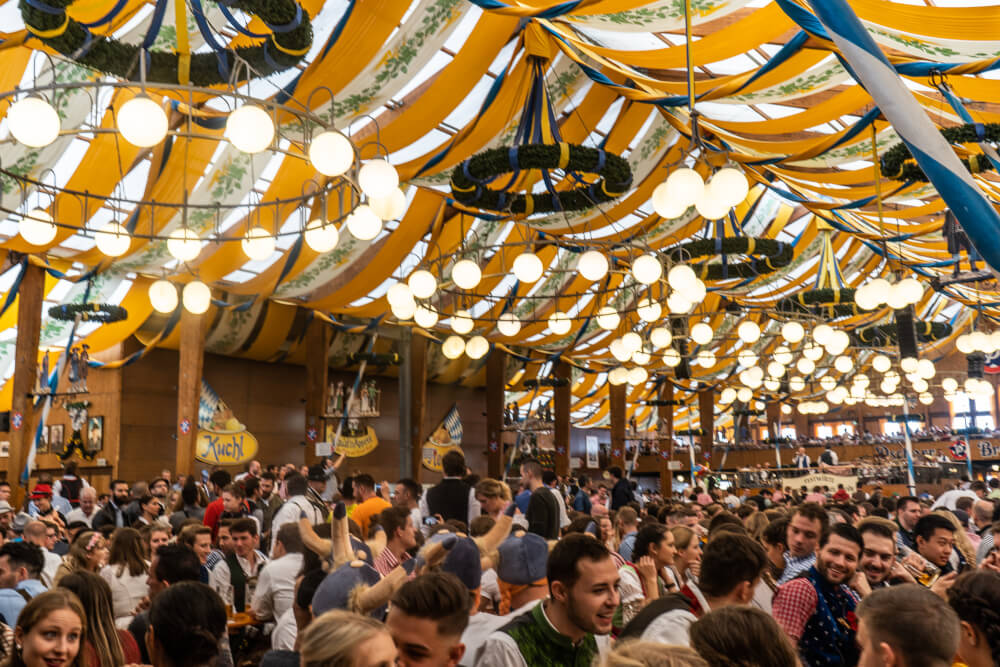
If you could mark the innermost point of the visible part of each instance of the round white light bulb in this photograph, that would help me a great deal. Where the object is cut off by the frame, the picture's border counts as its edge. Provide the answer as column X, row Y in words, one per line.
column 466, row 274
column 322, row 236
column 665, row 207
column 748, row 331
column 672, row 358
column 632, row 341
column 796, row 383
column 618, row 376
column 619, row 350
column 822, row 333
column 843, row 364
column 909, row 364
column 378, row 178
column 559, row 323
column 196, row 297
column 33, row 122
column 727, row 396
column 925, row 398
column 593, row 265
column 477, row 347
column 608, row 318
column 258, row 243
column 163, row 296
column 390, row 207
column 677, row 304
column 399, row 292
column 113, row 240
column 783, row 355
column 331, row 153
column 681, row 277
column 183, row 244
column 646, row 269
column 508, row 324
column 744, row 395
column 528, row 267
column 648, row 311
column 425, row 317
column 453, row 347
column 775, row 369
column 422, row 283
column 142, row 122
column 684, row 186
column 732, row 184
column 925, row 369
column 701, row 333
column 637, row 376
column 363, row 223
column 461, row 322
column 660, row 337
column 792, row 332
column 881, row 363
column 250, row 129
column 805, row 366
column 706, row 359
column 37, row 227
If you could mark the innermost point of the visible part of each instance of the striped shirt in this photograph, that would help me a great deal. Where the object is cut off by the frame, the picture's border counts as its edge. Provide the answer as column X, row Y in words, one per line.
column 387, row 562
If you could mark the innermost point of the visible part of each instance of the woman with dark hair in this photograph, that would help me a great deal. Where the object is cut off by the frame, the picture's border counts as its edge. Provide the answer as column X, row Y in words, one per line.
column 104, row 645
column 126, row 574
column 88, row 553
column 149, row 511
column 186, row 624
column 739, row 636
column 49, row 632
column 975, row 597
column 189, row 506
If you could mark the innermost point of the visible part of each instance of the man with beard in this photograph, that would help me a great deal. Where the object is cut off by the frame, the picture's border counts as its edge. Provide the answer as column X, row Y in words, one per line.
column 570, row 627
column 113, row 513
column 908, row 512
column 878, row 564
column 270, row 501
column 817, row 609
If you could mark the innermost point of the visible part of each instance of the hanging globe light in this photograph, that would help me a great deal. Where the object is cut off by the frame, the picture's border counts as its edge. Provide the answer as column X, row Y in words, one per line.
column 422, row 283
column 466, row 273
column 593, row 265
column 711, row 206
column 637, row 376
column 453, row 347
column 112, row 239
column 783, row 355
column 33, row 121
column 461, row 323
column 321, row 236
column 196, row 297
column 331, row 153
column 477, row 347
column 909, row 364
column 508, row 324
column 681, row 277
column 920, row 385
column 377, row 178
column 677, row 304
column 980, row 341
column 861, row 379
column 748, row 331
column 821, row 333
column 684, row 186
column 772, row 384
column 660, row 337
column 163, row 296
column 950, row 385
column 363, row 223
column 608, row 318
column 881, row 363
column 671, row 358
column 805, row 366
column 142, row 122
column 632, row 341
column 640, row 357
column 912, row 290
column 775, row 369
column 706, row 358
column 559, row 323
column 665, row 207
column 827, row 383
column 404, row 309
column 731, row 185
column 795, row 383
column 727, row 396
column 812, row 352
column 184, row 244
column 390, row 207
column 425, row 317
column 925, row 369
column 648, row 311
column 896, row 298
column 250, row 129
column 37, row 227
column 646, row 269
column 618, row 376
column 843, row 364
column 925, row 398
column 399, row 292
column 258, row 244
column 744, row 395
column 747, row 358
column 838, row 342
column 619, row 350
column 964, row 344
column 792, row 332
column 528, row 268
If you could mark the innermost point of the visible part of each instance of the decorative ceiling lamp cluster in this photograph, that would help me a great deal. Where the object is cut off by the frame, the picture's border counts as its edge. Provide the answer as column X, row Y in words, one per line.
column 898, row 295
column 978, row 341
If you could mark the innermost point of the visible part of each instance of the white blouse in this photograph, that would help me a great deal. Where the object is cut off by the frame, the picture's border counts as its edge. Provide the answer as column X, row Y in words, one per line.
column 127, row 591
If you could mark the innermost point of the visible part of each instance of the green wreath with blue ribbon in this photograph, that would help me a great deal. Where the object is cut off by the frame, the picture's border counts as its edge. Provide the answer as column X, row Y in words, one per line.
column 104, row 313
column 765, row 256
column 898, row 163
column 284, row 47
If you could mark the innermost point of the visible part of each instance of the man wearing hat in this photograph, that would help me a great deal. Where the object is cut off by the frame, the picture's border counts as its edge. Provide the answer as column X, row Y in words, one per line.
column 317, row 485
column 41, row 495
column 6, row 517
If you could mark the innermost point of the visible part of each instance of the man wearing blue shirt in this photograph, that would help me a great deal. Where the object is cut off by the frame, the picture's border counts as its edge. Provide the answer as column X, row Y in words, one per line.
column 20, row 573
column 581, row 501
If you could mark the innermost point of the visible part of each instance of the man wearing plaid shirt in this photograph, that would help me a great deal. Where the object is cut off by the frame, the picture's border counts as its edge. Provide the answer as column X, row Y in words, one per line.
column 816, row 609
column 401, row 535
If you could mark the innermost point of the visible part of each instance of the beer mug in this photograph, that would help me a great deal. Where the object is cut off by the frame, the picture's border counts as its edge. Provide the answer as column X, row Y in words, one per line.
column 925, row 576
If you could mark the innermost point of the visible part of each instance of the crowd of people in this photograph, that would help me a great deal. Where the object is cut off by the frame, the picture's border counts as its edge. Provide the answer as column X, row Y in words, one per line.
column 296, row 566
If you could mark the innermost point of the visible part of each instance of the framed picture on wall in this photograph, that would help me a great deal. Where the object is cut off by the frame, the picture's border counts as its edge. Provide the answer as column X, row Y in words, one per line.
column 4, row 449
column 56, row 438
column 43, row 442
column 95, row 434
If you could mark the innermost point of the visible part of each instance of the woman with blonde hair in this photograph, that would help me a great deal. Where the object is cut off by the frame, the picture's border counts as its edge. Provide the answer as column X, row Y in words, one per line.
column 687, row 560
column 53, row 614
column 494, row 496
column 126, row 574
column 104, row 645
column 651, row 654
column 343, row 639
column 755, row 524
column 88, row 553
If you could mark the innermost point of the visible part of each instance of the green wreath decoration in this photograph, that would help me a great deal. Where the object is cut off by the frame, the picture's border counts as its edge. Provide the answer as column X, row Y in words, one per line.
column 75, row 444
column 469, row 179
column 766, row 256
column 828, row 301
column 898, row 164
column 288, row 43
column 885, row 334
column 88, row 312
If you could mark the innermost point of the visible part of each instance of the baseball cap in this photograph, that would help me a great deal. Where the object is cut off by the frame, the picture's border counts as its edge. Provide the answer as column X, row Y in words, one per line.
column 523, row 558
column 41, row 491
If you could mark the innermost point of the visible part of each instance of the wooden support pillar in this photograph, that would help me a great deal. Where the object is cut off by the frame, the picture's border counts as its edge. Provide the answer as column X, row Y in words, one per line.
column 496, row 365
column 561, row 401
column 317, row 343
column 772, row 411
column 192, row 358
column 418, row 402
column 706, row 416
column 801, row 422
column 29, row 324
column 665, row 416
column 616, row 394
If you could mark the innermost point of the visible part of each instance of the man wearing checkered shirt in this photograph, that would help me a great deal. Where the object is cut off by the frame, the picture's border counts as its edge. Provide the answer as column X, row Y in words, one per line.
column 816, row 609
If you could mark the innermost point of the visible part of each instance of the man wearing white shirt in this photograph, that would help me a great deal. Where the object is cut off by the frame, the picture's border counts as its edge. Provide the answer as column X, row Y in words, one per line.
column 87, row 509
column 801, row 459
column 551, row 480
column 276, row 582
column 235, row 577
column 296, row 506
column 34, row 533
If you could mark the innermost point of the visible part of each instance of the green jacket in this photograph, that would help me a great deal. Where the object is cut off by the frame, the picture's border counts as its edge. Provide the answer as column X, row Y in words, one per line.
column 532, row 641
